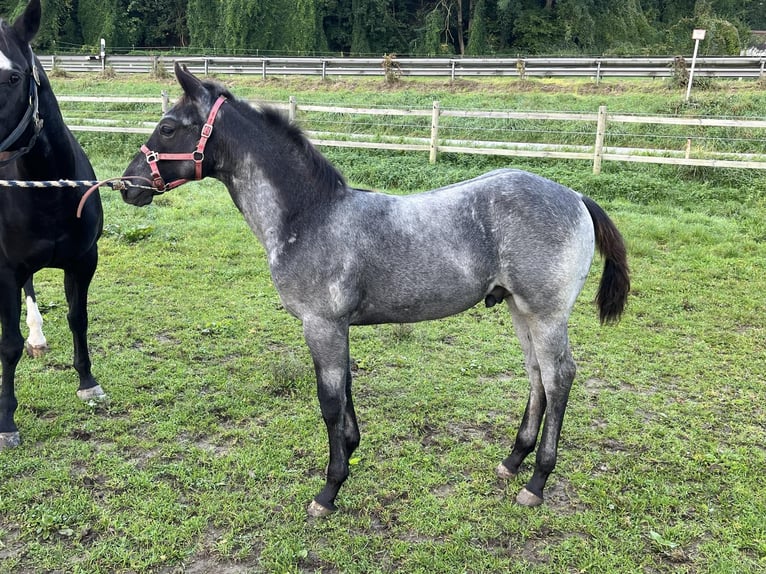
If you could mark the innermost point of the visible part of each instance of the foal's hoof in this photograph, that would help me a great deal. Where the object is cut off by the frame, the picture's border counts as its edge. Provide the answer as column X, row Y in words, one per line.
column 316, row 510
column 526, row 498
column 92, row 394
column 9, row 440
column 502, row 472
column 35, row 351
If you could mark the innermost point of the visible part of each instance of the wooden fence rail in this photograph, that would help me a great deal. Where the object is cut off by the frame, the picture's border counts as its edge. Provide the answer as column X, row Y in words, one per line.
column 602, row 126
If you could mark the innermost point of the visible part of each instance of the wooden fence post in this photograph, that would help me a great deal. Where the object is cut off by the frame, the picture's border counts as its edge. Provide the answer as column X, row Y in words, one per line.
column 293, row 108
column 434, row 133
column 600, row 135
column 165, row 102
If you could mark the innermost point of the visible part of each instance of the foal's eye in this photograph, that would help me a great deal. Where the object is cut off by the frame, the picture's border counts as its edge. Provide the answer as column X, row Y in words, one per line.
column 167, row 130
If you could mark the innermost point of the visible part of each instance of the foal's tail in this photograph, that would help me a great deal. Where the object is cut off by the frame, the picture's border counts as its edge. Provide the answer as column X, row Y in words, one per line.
column 615, row 280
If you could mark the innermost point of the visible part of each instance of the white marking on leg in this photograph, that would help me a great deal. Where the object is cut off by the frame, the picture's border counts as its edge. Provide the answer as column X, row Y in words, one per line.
column 36, row 338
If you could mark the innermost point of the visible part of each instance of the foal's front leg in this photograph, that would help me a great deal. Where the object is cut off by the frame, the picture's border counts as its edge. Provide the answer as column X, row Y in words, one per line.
column 328, row 343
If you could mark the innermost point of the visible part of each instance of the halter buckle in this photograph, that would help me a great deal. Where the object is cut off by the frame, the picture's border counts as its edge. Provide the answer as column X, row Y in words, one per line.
column 152, row 157
column 207, row 129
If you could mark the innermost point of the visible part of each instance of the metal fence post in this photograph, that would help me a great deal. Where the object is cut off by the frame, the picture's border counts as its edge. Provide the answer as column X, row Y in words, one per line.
column 600, row 135
column 434, row 133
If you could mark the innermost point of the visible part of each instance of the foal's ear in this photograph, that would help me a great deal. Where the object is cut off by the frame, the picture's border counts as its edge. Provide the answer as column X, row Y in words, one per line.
column 191, row 85
column 27, row 25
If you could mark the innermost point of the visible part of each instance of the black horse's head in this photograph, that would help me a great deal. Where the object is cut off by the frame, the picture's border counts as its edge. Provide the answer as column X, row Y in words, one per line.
column 18, row 81
column 176, row 151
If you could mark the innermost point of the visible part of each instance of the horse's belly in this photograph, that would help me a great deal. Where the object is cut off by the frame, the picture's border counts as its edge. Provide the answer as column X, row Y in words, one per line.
column 426, row 304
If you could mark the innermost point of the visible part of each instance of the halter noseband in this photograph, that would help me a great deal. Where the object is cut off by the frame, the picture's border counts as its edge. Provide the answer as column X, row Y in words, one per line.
column 197, row 156
column 31, row 115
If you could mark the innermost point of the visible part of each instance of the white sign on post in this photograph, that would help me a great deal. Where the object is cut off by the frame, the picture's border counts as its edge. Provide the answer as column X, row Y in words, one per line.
column 697, row 35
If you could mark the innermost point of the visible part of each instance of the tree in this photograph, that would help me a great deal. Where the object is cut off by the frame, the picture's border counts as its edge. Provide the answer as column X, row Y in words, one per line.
column 478, row 38
column 201, row 18
column 151, row 30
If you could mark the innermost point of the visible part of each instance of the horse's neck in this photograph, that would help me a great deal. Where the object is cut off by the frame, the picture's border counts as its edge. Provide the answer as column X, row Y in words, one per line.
column 54, row 155
column 257, row 198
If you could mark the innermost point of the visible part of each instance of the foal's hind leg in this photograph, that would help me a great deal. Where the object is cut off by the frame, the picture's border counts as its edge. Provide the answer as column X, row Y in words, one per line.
column 526, row 438
column 76, row 283
column 36, row 344
column 557, row 369
column 553, row 370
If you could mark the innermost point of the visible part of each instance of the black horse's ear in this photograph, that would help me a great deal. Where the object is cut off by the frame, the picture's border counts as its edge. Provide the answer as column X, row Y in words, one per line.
column 191, row 85
column 27, row 25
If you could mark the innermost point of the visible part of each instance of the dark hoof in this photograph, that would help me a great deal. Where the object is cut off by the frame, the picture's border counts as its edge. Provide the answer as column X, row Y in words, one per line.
column 316, row 510
column 502, row 472
column 526, row 498
column 92, row 394
column 9, row 440
column 35, row 351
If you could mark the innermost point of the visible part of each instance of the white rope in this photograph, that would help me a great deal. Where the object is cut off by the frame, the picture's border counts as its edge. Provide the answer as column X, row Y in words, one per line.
column 52, row 183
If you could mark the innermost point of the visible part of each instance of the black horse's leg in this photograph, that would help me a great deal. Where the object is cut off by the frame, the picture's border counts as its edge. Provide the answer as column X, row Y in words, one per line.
column 328, row 343
column 36, row 345
column 526, row 438
column 76, row 282
column 557, row 370
column 11, row 349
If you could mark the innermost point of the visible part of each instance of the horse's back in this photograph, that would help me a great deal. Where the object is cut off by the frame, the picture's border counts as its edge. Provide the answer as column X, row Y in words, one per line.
column 436, row 253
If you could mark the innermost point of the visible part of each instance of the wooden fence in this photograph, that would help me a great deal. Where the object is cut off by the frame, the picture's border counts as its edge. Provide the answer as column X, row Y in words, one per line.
column 424, row 130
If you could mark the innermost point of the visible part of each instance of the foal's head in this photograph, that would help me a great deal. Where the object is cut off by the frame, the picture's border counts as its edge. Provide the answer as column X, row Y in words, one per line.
column 175, row 152
column 17, row 77
column 194, row 140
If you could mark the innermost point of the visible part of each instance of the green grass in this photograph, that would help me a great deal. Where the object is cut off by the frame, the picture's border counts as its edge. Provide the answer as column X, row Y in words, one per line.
column 212, row 443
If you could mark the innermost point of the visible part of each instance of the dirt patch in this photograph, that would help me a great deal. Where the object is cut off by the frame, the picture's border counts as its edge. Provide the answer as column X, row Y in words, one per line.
column 208, row 565
column 561, row 497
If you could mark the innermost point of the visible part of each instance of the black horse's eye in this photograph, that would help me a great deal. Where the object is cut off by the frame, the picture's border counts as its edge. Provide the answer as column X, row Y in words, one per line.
column 167, row 130
column 14, row 78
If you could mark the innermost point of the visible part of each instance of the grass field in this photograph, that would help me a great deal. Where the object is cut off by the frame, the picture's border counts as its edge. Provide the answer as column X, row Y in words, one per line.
column 211, row 444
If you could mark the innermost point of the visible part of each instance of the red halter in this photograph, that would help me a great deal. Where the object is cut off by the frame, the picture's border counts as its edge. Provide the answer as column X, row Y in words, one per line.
column 197, row 156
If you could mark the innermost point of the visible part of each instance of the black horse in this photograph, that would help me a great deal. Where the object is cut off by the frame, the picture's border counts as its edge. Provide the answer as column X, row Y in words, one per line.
column 341, row 256
column 39, row 228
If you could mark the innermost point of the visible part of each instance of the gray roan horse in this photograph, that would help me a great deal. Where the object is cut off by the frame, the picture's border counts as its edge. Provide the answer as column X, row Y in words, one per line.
column 39, row 227
column 341, row 256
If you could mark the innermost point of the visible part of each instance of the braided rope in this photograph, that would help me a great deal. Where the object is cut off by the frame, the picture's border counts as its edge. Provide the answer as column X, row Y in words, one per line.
column 116, row 183
column 44, row 184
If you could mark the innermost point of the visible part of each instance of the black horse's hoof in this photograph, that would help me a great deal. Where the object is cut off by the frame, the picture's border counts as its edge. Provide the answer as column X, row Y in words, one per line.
column 503, row 473
column 9, row 440
column 35, row 351
column 92, row 394
column 529, row 499
column 316, row 510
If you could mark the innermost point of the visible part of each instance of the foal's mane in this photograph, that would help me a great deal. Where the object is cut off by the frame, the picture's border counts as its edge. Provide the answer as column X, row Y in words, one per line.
column 326, row 178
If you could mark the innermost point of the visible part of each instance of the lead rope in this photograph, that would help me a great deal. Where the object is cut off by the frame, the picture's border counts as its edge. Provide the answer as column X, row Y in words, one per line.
column 116, row 183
